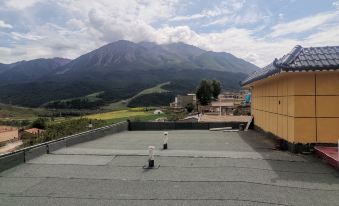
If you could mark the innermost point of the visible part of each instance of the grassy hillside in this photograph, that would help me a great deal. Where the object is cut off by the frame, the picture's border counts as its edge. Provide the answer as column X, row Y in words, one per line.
column 91, row 97
column 157, row 89
column 124, row 104
column 8, row 112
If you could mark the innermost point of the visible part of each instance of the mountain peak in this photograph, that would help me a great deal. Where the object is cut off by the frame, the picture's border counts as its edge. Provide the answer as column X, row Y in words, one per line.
column 127, row 55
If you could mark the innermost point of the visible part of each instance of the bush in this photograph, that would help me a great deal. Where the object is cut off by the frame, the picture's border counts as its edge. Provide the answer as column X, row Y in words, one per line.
column 39, row 123
column 189, row 107
column 63, row 129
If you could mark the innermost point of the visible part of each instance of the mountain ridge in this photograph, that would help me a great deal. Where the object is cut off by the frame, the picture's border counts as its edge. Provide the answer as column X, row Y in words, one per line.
column 120, row 69
column 31, row 70
column 122, row 55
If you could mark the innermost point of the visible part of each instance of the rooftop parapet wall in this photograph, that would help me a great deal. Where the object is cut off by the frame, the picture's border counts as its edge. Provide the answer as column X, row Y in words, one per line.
column 21, row 156
column 155, row 126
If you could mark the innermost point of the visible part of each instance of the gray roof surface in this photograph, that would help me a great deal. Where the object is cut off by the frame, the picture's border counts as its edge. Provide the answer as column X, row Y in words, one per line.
column 300, row 59
column 200, row 168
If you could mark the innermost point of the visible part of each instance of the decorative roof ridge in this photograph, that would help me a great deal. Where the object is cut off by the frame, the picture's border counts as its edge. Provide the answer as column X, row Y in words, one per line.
column 289, row 58
column 299, row 59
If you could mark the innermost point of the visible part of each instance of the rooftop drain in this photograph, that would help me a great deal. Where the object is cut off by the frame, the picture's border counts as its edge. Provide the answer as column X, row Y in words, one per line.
column 165, row 140
column 150, row 158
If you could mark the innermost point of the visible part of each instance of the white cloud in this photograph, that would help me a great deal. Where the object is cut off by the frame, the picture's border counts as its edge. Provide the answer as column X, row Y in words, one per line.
column 20, row 4
column 232, row 12
column 27, row 36
column 91, row 24
column 5, row 25
column 326, row 37
column 240, row 42
column 304, row 24
column 336, row 4
column 188, row 18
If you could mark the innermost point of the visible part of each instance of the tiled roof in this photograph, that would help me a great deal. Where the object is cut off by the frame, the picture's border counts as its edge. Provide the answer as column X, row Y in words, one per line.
column 300, row 59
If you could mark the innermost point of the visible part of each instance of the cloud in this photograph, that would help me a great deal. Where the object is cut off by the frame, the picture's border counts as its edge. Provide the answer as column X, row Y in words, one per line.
column 188, row 18
column 27, row 36
column 5, row 25
column 242, row 14
column 326, row 37
column 304, row 24
column 20, row 4
column 86, row 25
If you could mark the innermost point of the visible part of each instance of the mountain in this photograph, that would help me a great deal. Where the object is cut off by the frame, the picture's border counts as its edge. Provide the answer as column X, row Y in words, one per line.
column 117, row 71
column 27, row 71
column 125, row 55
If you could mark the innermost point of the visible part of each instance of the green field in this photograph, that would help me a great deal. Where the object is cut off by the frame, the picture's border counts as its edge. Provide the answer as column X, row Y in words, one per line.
column 136, row 114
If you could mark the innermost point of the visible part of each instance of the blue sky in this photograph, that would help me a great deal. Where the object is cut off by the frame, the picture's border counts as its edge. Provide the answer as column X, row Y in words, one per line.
column 255, row 30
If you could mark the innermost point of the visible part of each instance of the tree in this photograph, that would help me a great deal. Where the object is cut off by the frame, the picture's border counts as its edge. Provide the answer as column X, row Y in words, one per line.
column 39, row 123
column 204, row 92
column 189, row 107
column 216, row 88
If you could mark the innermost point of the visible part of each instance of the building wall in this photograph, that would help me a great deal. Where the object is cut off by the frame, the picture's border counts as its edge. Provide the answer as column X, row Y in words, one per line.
column 184, row 100
column 298, row 107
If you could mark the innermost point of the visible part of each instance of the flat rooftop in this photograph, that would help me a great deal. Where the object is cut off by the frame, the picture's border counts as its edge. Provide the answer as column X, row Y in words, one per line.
column 199, row 168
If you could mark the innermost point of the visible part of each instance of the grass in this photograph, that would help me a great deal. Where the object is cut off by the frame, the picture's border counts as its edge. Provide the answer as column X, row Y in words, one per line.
column 10, row 112
column 122, row 105
column 156, row 89
column 91, row 98
column 135, row 114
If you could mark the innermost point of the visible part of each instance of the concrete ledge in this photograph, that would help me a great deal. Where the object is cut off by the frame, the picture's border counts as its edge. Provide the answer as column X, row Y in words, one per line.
column 53, row 146
column 12, row 160
column 35, row 152
column 167, row 126
column 201, row 126
column 78, row 139
column 15, row 158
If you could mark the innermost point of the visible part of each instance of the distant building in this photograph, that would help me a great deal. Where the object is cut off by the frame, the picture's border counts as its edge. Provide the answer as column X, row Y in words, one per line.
column 181, row 101
column 222, row 108
column 237, row 98
column 225, row 105
column 296, row 97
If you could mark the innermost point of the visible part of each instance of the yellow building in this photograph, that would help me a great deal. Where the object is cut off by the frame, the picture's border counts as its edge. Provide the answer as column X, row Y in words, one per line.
column 296, row 98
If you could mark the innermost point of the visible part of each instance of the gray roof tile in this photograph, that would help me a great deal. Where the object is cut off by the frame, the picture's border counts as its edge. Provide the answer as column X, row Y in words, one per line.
column 299, row 59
